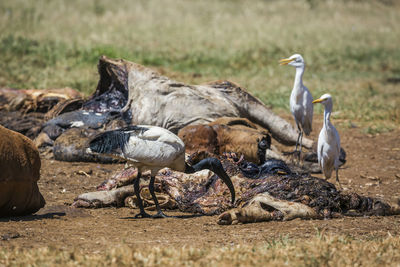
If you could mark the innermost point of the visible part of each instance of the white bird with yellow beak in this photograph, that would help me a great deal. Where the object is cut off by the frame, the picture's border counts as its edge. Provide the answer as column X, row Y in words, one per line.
column 328, row 141
column 300, row 99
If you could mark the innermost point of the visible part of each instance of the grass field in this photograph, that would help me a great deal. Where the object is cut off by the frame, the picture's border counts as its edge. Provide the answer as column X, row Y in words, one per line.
column 318, row 251
column 351, row 49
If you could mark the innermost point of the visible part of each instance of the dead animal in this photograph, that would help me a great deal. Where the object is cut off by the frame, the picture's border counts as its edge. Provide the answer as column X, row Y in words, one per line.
column 127, row 89
column 20, row 171
column 72, row 146
column 35, row 100
column 77, row 119
column 237, row 135
column 273, row 196
column 243, row 137
column 160, row 101
column 24, row 111
column 152, row 148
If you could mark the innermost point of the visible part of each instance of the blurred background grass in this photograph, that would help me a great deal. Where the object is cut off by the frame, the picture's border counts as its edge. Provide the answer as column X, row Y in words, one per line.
column 351, row 47
column 319, row 250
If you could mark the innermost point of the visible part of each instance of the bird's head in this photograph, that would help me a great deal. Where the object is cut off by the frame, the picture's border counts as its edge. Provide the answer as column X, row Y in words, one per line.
column 295, row 60
column 324, row 99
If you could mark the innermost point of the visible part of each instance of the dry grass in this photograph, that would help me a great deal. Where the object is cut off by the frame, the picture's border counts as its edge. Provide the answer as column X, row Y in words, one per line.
column 351, row 47
column 318, row 251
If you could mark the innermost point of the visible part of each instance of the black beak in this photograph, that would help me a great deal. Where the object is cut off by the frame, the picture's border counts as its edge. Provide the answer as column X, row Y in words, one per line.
column 227, row 180
column 215, row 166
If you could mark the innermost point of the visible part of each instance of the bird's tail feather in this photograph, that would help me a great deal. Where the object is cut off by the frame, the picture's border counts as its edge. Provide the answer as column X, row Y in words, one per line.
column 107, row 142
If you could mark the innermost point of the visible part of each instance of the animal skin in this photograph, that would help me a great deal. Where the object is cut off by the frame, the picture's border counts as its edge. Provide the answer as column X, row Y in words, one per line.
column 270, row 197
column 20, row 171
column 25, row 111
column 157, row 100
column 226, row 134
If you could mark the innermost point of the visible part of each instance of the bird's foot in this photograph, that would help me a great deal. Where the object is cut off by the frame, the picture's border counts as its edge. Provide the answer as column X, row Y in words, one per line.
column 160, row 214
column 143, row 215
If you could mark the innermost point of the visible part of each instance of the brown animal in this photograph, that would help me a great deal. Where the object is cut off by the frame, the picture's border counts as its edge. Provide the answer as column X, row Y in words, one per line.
column 20, row 171
column 226, row 134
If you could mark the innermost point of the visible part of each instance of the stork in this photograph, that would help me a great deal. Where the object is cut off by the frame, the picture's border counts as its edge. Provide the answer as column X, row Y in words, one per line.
column 152, row 148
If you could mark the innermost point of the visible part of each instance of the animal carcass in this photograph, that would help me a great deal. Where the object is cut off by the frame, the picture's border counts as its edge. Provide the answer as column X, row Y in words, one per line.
column 227, row 134
column 25, row 111
column 20, row 171
column 160, row 101
column 274, row 195
column 138, row 95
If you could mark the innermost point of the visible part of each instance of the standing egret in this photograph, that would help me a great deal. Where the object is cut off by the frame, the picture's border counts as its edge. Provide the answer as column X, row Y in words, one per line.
column 328, row 141
column 152, row 148
column 300, row 99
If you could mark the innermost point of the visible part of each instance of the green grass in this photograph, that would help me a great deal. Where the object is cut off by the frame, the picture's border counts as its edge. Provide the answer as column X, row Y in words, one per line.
column 351, row 47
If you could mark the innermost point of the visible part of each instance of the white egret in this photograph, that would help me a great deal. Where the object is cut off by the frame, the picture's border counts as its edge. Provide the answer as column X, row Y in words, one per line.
column 328, row 141
column 300, row 99
column 152, row 148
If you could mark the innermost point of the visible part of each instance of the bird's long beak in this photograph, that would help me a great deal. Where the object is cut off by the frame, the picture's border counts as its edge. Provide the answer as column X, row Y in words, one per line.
column 319, row 100
column 285, row 61
column 225, row 178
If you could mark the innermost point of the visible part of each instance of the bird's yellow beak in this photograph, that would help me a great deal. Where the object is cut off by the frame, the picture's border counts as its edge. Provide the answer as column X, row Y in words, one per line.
column 285, row 61
column 319, row 100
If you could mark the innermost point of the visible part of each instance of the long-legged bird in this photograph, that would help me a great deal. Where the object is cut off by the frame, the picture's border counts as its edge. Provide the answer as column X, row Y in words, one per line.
column 152, row 148
column 328, row 141
column 300, row 99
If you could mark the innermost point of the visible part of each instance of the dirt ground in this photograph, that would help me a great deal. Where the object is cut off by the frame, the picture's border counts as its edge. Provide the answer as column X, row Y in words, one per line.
column 372, row 168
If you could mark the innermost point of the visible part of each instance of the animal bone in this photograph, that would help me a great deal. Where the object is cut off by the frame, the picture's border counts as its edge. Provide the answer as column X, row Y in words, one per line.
column 264, row 207
column 99, row 199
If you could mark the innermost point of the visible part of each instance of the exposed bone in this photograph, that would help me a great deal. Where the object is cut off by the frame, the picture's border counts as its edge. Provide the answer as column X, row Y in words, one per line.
column 264, row 207
column 99, row 199
column 271, row 197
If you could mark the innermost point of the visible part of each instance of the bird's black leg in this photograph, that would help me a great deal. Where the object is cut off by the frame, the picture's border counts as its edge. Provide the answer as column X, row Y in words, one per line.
column 295, row 151
column 136, row 184
column 297, row 142
column 159, row 214
column 337, row 179
column 301, row 143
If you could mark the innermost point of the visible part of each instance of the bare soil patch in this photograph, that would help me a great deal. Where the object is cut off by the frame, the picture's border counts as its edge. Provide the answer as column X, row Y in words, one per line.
column 372, row 168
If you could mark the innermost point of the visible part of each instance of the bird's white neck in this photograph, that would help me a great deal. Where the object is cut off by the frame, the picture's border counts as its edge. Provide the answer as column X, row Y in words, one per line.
column 327, row 115
column 298, row 80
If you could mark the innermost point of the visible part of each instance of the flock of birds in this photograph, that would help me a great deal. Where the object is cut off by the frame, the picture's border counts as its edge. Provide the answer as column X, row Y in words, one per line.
column 153, row 148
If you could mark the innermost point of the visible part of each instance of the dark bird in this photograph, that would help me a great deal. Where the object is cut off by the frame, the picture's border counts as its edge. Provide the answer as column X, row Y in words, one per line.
column 152, row 148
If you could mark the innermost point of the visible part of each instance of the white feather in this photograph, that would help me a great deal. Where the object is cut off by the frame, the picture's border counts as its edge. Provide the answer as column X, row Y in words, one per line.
column 155, row 148
column 300, row 99
column 328, row 141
